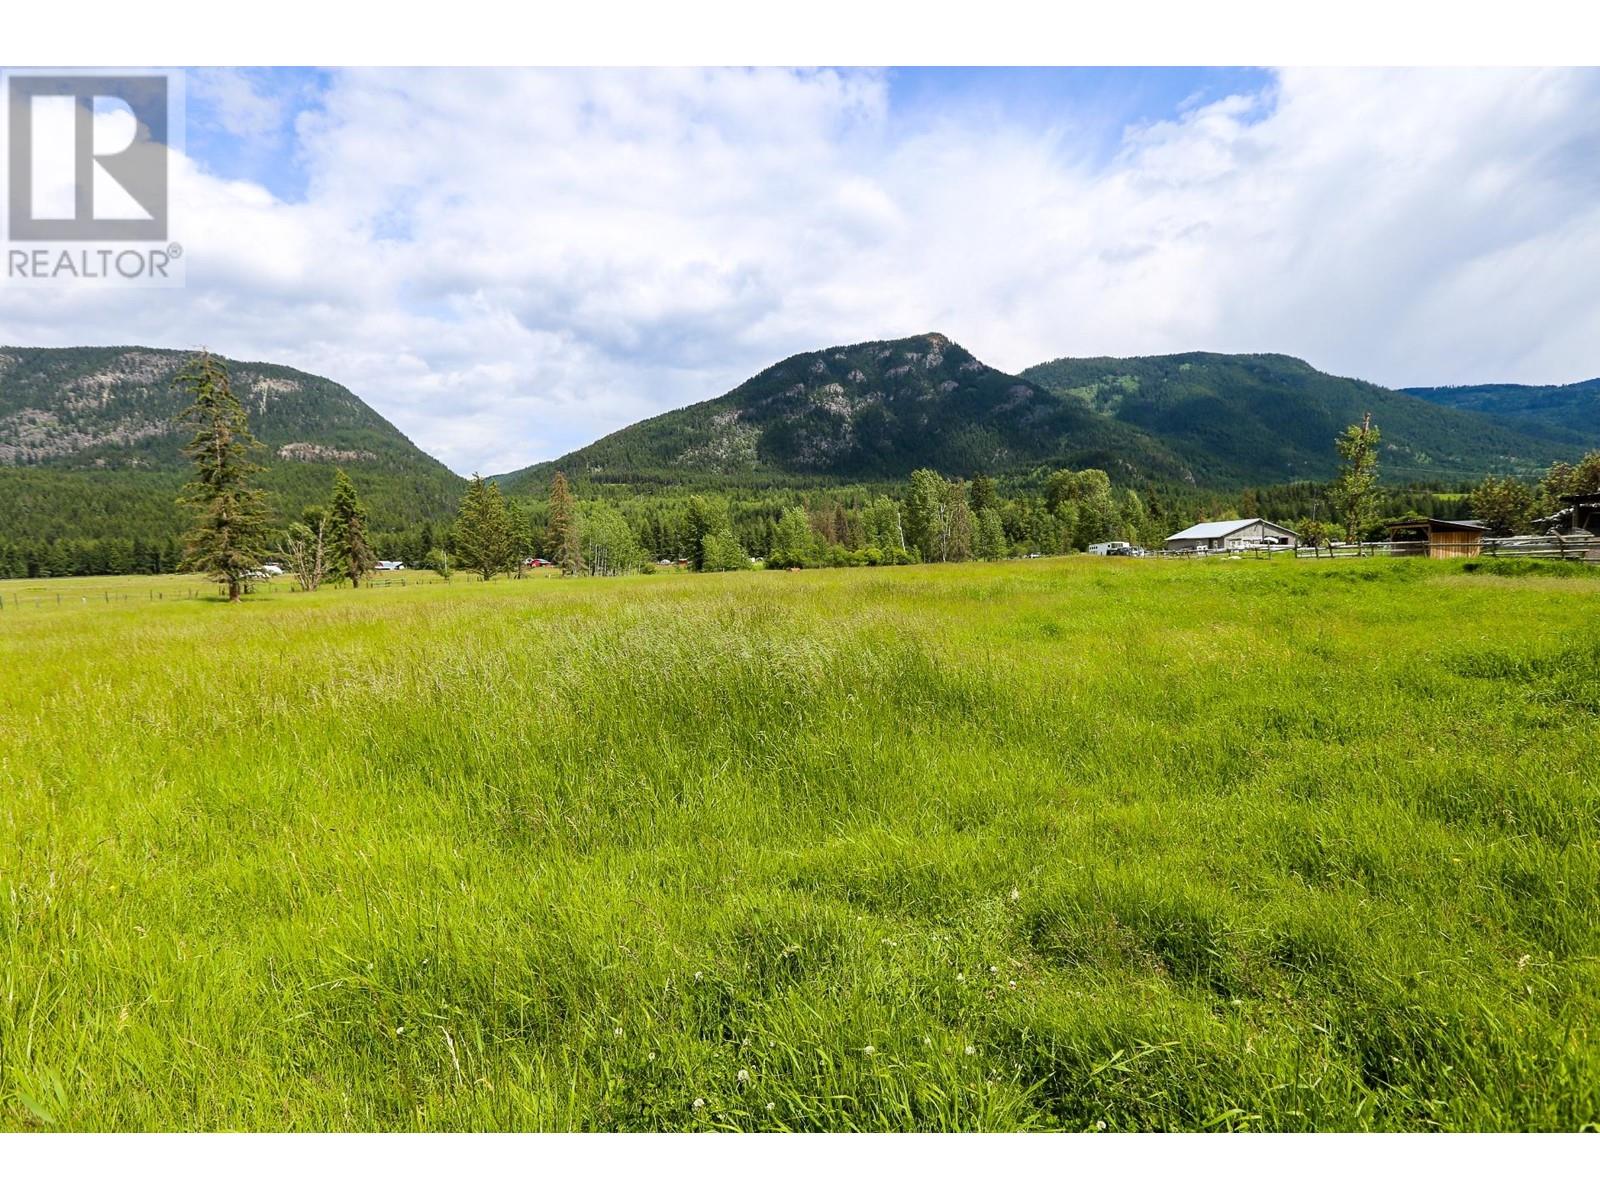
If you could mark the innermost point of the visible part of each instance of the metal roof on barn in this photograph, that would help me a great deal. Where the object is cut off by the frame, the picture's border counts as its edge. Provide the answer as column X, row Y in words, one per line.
column 1216, row 529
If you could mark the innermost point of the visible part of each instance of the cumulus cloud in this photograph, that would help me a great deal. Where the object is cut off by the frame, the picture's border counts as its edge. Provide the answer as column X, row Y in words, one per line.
column 510, row 264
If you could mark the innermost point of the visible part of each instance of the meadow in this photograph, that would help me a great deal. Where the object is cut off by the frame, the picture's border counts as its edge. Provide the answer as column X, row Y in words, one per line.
column 1077, row 844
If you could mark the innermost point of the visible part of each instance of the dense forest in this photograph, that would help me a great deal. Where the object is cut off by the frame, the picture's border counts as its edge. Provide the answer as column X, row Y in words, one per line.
column 848, row 521
column 1554, row 412
column 1263, row 418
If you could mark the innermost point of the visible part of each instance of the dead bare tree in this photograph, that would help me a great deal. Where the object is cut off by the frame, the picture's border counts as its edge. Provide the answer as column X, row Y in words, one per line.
column 306, row 550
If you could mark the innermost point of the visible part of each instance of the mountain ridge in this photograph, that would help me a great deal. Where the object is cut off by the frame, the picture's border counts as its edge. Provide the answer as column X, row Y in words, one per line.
column 1534, row 408
column 88, row 433
column 864, row 412
column 89, row 442
column 1273, row 418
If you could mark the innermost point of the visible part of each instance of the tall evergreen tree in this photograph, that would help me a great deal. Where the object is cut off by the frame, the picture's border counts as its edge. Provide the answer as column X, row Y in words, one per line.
column 983, row 495
column 566, row 535
column 347, row 523
column 229, row 534
column 483, row 535
column 521, row 535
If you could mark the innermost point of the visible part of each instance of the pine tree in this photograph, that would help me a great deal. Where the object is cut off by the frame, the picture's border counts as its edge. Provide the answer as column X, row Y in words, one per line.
column 483, row 537
column 521, row 535
column 228, row 538
column 566, row 536
column 347, row 524
column 983, row 497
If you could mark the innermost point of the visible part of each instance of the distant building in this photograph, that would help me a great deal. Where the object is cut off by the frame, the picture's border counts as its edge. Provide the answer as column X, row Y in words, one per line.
column 1582, row 515
column 1248, row 533
column 1437, row 538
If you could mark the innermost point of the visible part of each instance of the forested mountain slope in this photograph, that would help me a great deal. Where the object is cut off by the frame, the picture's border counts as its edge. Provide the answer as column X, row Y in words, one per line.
column 90, row 446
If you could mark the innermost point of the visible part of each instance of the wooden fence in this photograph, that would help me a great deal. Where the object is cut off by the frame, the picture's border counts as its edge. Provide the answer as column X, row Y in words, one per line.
column 1571, row 548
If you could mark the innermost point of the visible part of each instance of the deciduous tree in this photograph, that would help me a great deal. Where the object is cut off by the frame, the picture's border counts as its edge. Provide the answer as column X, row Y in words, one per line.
column 1354, row 493
column 1506, row 506
column 306, row 549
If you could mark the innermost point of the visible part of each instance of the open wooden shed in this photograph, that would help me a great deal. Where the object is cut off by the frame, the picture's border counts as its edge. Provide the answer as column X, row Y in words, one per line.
column 1436, row 538
column 1582, row 515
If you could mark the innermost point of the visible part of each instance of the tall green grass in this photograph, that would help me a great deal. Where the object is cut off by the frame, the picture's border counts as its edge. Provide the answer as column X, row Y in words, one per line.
column 1071, row 844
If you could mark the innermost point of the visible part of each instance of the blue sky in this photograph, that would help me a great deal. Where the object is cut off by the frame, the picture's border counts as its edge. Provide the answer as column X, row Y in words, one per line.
column 509, row 264
column 1090, row 106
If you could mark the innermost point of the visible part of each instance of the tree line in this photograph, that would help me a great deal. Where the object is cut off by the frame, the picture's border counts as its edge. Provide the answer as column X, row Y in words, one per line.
column 931, row 518
column 1511, row 506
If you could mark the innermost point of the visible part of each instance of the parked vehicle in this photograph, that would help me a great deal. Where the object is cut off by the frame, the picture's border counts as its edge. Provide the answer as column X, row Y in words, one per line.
column 1110, row 548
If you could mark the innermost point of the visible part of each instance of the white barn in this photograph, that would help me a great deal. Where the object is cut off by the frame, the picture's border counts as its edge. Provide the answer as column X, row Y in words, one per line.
column 1247, row 534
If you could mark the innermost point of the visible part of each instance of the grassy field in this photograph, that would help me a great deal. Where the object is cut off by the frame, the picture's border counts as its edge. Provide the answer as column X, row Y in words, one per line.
column 1069, row 844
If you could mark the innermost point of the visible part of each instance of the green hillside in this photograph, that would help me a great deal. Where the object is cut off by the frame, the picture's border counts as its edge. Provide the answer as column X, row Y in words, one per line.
column 868, row 412
column 89, row 444
column 1563, row 411
column 1266, row 418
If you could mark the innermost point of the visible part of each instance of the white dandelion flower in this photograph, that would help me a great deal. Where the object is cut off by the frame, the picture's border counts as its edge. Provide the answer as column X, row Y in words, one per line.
column 869, row 1051
column 744, row 1076
column 699, row 1103
column 699, row 974
column 1100, row 1125
column 971, row 1050
column 961, row 976
column 617, row 1032
column 771, row 1106
column 1015, row 894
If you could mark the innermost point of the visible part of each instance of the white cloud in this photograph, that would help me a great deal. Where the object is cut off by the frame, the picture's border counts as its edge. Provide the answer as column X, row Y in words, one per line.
column 508, row 265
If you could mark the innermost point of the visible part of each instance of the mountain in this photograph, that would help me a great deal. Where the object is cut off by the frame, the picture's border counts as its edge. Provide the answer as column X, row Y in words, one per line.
column 869, row 412
column 90, row 446
column 1569, row 410
column 1267, row 418
column 877, row 410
